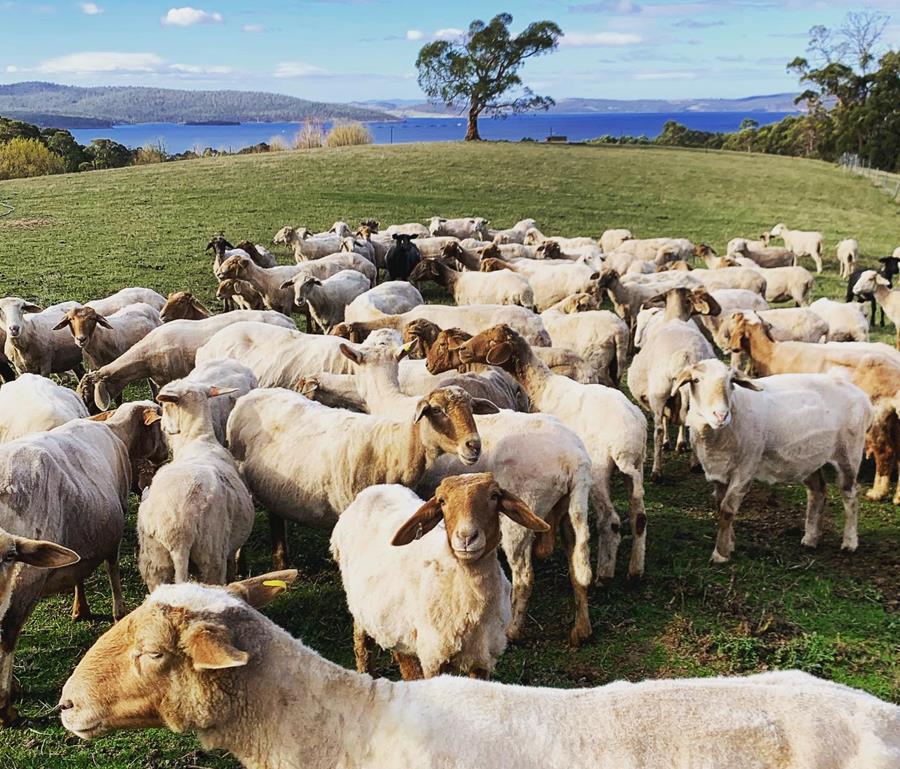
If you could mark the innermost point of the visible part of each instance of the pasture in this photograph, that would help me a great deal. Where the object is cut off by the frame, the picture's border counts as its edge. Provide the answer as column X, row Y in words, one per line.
column 774, row 605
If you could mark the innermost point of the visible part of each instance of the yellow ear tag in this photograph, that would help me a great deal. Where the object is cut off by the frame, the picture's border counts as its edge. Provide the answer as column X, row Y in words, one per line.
column 276, row 583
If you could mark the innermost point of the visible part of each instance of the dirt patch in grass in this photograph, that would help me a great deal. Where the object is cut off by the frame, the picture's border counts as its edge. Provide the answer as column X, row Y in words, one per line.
column 24, row 224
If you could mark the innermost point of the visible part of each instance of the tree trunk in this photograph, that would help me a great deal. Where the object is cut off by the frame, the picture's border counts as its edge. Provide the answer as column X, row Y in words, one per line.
column 472, row 134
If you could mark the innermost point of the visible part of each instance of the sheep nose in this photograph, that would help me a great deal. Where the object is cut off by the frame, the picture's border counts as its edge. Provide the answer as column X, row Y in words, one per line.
column 720, row 416
column 467, row 538
column 474, row 445
column 13, row 330
column 66, row 704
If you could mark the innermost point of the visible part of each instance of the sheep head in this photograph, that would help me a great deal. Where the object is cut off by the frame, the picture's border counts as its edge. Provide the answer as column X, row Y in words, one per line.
column 447, row 424
column 549, row 249
column 12, row 314
column 443, row 352
column 352, row 332
column 420, row 334
column 497, row 346
column 172, row 661
column 712, row 384
column 470, row 506
column 427, row 269
column 183, row 305
column 493, row 265
column 82, row 322
column 184, row 403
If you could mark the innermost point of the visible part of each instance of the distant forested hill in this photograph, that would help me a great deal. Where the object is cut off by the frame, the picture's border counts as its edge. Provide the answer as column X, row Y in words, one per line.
column 116, row 104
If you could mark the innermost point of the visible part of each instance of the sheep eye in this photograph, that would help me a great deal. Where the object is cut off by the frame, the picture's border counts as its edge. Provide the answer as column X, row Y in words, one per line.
column 154, row 655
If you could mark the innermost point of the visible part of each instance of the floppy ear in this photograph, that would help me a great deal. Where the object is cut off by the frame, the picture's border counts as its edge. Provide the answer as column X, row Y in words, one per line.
column 704, row 304
column 499, row 354
column 29, row 307
column 101, row 321
column 656, row 301
column 167, row 398
column 151, row 416
column 102, row 416
column 287, row 283
column 208, row 246
column 422, row 408
column 516, row 510
column 62, row 324
column 350, row 354
column 209, row 647
column 261, row 590
column 880, row 280
column 46, row 555
column 215, row 392
column 102, row 398
column 742, row 380
column 413, row 237
column 423, row 520
column 483, row 406
column 685, row 377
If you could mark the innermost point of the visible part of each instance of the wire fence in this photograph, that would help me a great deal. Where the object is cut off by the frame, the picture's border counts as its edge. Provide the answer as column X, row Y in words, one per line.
column 888, row 182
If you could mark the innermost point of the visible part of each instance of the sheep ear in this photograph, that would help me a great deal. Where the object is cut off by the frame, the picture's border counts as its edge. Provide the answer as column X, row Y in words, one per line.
column 101, row 396
column 101, row 321
column 62, row 324
column 499, row 354
column 656, row 301
column 287, row 283
column 742, row 380
column 516, row 510
column 484, row 406
column 406, row 349
column 413, row 237
column 215, row 392
column 103, row 416
column 151, row 416
column 209, row 647
column 46, row 555
column 685, row 377
column 350, row 354
column 261, row 590
column 422, row 409
column 704, row 304
column 167, row 398
column 29, row 307
column 423, row 520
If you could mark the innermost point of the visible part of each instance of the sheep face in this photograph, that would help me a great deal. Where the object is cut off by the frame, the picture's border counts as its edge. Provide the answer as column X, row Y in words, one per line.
column 427, row 269
column 419, row 335
column 12, row 314
column 184, row 403
column 443, row 353
column 82, row 322
column 218, row 245
column 171, row 661
column 352, row 332
column 17, row 550
column 284, row 236
column 183, row 305
column 449, row 425
column 549, row 249
column 712, row 384
column 493, row 265
column 498, row 346
column 868, row 281
column 581, row 302
column 683, row 302
column 470, row 506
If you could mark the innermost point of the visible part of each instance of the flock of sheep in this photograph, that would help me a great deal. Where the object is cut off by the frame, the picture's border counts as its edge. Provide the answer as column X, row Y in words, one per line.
column 427, row 436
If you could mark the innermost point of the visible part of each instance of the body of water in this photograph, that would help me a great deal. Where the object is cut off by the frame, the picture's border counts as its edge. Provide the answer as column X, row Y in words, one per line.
column 179, row 138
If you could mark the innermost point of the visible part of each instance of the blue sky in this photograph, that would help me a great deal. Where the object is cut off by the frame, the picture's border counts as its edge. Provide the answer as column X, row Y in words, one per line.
column 343, row 50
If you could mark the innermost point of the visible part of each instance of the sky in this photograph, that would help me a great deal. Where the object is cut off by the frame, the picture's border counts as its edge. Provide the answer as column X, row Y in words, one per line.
column 355, row 50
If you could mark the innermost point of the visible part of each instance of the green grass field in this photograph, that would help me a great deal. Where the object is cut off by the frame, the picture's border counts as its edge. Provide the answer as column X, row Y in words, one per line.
column 774, row 606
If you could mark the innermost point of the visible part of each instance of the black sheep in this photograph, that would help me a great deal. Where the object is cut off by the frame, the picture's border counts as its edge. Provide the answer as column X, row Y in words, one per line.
column 890, row 266
column 402, row 257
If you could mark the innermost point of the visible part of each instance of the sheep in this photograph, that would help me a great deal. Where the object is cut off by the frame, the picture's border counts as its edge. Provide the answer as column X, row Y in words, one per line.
column 649, row 248
column 730, row 299
column 103, row 339
column 800, row 242
column 783, row 283
column 34, row 404
column 266, row 425
column 534, row 237
column 618, row 442
column 459, row 228
column 392, row 297
column 434, row 246
column 121, row 299
column 212, row 664
column 233, row 378
column 471, row 318
column 273, row 283
column 183, row 305
column 610, row 240
column 598, row 336
column 674, row 343
column 223, row 250
column 515, row 234
column 847, row 255
column 70, row 485
column 890, row 267
column 31, row 346
column 166, row 353
column 779, row 429
column 762, row 255
column 505, row 287
column 197, row 510
column 870, row 282
column 402, row 257
column 785, row 324
column 305, row 246
column 846, row 322
column 749, row 279
column 445, row 605
column 362, row 247
column 551, row 283
column 242, row 293
column 327, row 298
column 378, row 245
column 627, row 297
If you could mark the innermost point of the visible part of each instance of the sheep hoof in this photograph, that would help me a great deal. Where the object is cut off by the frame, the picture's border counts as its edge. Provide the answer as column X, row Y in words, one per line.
column 849, row 546
column 810, row 542
column 8, row 715
column 717, row 557
column 681, row 448
column 656, row 476
column 579, row 635
column 602, row 580
column 82, row 615
column 877, row 496
column 634, row 577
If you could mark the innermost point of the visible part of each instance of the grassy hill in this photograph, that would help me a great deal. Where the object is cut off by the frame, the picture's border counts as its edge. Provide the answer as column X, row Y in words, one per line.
column 775, row 605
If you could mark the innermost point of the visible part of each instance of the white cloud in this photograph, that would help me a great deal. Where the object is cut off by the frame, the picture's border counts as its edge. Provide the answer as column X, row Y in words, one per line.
column 91, row 9
column 665, row 75
column 596, row 39
column 450, row 33
column 414, row 34
column 121, row 63
column 188, row 17
column 11, row 68
column 253, row 28
column 298, row 69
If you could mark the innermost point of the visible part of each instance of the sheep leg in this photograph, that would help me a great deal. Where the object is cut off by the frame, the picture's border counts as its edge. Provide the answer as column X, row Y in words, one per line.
column 634, row 486
column 850, row 497
column 115, row 584
column 410, row 669
column 881, row 444
column 608, row 526
column 815, row 504
column 480, row 673
column 362, row 650
column 278, row 533
column 8, row 713
column 10, row 628
column 518, row 544
column 730, row 503
column 181, row 560
column 80, row 609
column 660, row 441
column 578, row 552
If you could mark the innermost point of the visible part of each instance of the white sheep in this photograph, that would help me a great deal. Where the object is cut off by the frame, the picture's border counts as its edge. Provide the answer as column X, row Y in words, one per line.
column 501, row 287
column 121, row 299
column 197, row 510
column 870, row 282
column 230, row 376
column 747, row 278
column 363, row 247
column 761, row 254
column 534, row 237
column 730, row 299
column 393, row 297
column 31, row 344
column 327, row 299
column 34, row 404
column 410, row 228
column 274, row 283
column 649, row 248
column 800, row 242
column 444, row 602
column 102, row 339
column 847, row 256
column 305, row 244
column 610, row 240
column 515, row 234
column 783, row 284
column 553, row 282
column 846, row 320
column 471, row 227
column 779, row 429
column 341, row 718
